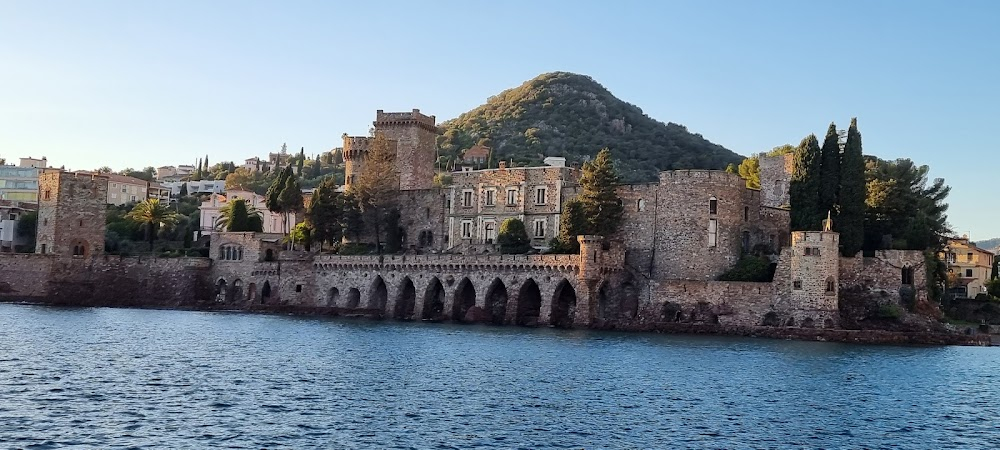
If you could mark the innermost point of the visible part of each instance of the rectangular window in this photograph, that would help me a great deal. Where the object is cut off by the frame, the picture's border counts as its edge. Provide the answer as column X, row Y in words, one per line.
column 511, row 197
column 114, row 196
column 830, row 286
column 969, row 256
column 968, row 273
column 713, row 232
column 746, row 213
column 540, row 228
column 491, row 197
column 491, row 231
column 540, row 196
column 467, row 198
column 713, row 206
column 467, row 229
column 796, row 284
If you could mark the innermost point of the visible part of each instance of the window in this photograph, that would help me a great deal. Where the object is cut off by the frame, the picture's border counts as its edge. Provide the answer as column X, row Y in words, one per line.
column 713, row 205
column 114, row 196
column 511, row 197
column 640, row 205
column 540, row 228
column 298, row 288
column 831, row 286
column 968, row 273
column 491, row 231
column 540, row 196
column 908, row 275
column 467, row 198
column 466, row 229
column 969, row 257
column 812, row 251
column 746, row 213
column 133, row 198
column 713, row 232
column 491, row 195
column 796, row 284
column 746, row 241
column 81, row 222
column 43, row 248
column 47, row 195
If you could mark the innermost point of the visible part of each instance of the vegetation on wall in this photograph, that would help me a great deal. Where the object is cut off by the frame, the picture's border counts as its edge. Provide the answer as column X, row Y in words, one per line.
column 565, row 114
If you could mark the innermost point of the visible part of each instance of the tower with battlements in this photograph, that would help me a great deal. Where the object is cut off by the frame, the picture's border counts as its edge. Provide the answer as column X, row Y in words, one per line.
column 415, row 138
column 71, row 213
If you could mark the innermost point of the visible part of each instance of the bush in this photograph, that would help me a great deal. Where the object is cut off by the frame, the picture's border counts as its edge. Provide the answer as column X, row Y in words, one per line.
column 356, row 248
column 890, row 312
column 750, row 268
column 513, row 238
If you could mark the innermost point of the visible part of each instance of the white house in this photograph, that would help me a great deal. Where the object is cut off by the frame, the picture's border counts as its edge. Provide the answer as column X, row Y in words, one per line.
column 273, row 222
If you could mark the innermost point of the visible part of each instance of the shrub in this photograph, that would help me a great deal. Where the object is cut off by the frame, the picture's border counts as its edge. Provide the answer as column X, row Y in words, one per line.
column 512, row 237
column 890, row 312
column 750, row 268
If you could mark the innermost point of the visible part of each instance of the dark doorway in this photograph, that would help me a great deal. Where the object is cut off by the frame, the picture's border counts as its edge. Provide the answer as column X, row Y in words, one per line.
column 496, row 302
column 529, row 304
column 563, row 305
column 465, row 299
column 406, row 300
column 378, row 295
column 434, row 300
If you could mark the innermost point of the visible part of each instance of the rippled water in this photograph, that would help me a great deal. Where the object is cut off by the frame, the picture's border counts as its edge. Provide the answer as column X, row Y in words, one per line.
column 107, row 378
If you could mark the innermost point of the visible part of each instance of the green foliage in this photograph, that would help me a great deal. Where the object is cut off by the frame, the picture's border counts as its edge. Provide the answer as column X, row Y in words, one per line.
column 572, row 224
column 377, row 186
column 351, row 220
column 599, row 197
column 804, row 188
column 851, row 220
column 147, row 174
column 750, row 268
column 272, row 198
column 27, row 226
column 993, row 288
column 301, row 234
column 325, row 213
column 829, row 176
column 995, row 272
column 749, row 170
column 152, row 213
column 892, row 312
column 442, row 179
column 513, row 237
column 393, row 233
column 904, row 210
column 565, row 114
column 236, row 215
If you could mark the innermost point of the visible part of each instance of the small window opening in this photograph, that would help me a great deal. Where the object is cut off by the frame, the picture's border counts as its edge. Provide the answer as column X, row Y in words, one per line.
column 713, row 205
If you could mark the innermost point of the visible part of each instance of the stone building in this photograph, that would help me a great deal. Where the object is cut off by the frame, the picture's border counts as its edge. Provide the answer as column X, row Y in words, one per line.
column 210, row 211
column 71, row 214
column 414, row 136
column 969, row 266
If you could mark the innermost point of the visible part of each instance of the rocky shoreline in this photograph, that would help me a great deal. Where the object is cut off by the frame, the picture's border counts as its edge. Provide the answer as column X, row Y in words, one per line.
column 867, row 337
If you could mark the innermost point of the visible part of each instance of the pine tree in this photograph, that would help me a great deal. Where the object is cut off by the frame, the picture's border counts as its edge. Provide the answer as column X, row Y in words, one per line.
column 853, row 191
column 599, row 195
column 829, row 176
column 572, row 223
column 184, row 190
column 325, row 213
column 377, row 185
column 804, row 188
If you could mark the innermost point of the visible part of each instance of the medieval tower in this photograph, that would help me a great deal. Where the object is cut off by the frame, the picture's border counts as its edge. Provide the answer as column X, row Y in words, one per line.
column 815, row 269
column 71, row 213
column 415, row 138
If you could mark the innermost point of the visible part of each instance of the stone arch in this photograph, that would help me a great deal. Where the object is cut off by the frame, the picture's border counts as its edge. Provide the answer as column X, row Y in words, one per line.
column 605, row 303
column 80, row 248
column 529, row 304
column 265, row 292
column 378, row 294
column 465, row 299
column 563, row 305
column 237, row 290
column 771, row 319
column 496, row 302
column 353, row 298
column 333, row 297
column 221, row 290
column 434, row 300
column 808, row 323
column 405, row 301
column 251, row 292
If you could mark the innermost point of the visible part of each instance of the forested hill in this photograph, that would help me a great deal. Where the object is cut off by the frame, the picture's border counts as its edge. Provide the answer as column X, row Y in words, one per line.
column 565, row 114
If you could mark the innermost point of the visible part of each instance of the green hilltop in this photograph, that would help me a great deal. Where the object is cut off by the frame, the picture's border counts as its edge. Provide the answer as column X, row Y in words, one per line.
column 571, row 115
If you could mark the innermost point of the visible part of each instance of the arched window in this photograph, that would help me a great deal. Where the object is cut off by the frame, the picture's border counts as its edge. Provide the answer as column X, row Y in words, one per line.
column 239, row 255
column 713, row 205
column 831, row 286
column 640, row 205
column 907, row 275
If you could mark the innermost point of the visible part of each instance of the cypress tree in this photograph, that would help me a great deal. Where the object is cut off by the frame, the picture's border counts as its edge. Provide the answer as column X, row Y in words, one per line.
column 572, row 224
column 829, row 180
column 317, row 168
column 291, row 197
column 995, row 273
column 302, row 161
column 853, row 190
column 272, row 198
column 599, row 183
column 804, row 188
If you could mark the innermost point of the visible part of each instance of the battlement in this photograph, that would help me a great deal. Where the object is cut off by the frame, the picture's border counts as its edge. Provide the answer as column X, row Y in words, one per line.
column 355, row 146
column 562, row 263
column 414, row 117
column 691, row 176
column 824, row 238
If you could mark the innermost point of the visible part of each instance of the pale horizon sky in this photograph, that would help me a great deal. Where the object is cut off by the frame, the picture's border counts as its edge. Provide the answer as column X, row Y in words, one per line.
column 136, row 84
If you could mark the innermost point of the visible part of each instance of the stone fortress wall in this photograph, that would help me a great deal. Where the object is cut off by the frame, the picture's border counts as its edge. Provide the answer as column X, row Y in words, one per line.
column 678, row 235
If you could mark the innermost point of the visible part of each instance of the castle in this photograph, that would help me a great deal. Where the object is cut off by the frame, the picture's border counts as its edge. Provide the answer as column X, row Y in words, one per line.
column 678, row 235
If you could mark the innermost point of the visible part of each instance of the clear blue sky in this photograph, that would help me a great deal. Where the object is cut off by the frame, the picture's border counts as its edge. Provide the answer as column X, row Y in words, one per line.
column 144, row 83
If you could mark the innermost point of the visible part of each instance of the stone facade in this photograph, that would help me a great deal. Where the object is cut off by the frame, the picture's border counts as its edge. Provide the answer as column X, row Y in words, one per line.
column 775, row 179
column 415, row 138
column 71, row 214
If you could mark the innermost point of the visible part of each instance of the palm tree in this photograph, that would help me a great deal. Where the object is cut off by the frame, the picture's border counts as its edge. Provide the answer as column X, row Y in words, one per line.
column 238, row 216
column 152, row 213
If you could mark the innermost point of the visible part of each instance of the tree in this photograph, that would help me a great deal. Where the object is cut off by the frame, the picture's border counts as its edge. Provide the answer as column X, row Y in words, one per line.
column 749, row 170
column 241, row 178
column 851, row 220
column 301, row 234
column 904, row 209
column 238, row 216
column 599, row 195
column 317, row 168
column 291, row 199
column 325, row 213
column 351, row 220
column 152, row 213
column 995, row 273
column 512, row 237
column 804, row 187
column 338, row 156
column 301, row 162
column 829, row 176
column 184, row 190
column 104, row 169
column 377, row 185
column 272, row 198
column 572, row 223
column 27, row 227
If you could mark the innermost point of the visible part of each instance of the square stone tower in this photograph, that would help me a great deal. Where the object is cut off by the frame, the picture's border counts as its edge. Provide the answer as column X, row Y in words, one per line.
column 415, row 137
column 71, row 213
column 775, row 179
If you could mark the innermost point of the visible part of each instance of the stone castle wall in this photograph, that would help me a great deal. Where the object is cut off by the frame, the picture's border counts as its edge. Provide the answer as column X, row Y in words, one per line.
column 415, row 135
column 775, row 179
column 883, row 274
column 71, row 210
